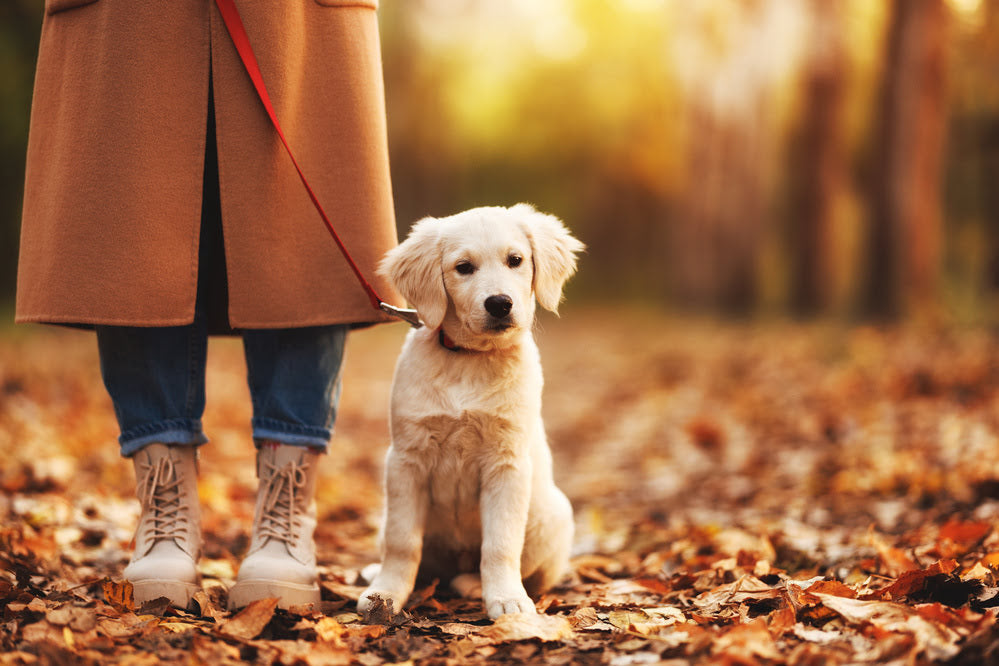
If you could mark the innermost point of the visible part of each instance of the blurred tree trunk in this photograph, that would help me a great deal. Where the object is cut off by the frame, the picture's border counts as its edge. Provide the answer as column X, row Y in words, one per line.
column 990, row 205
column 818, row 166
column 729, row 86
column 716, row 239
column 988, row 49
column 903, row 253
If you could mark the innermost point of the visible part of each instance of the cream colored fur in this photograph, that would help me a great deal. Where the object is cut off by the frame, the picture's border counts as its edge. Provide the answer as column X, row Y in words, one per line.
column 468, row 476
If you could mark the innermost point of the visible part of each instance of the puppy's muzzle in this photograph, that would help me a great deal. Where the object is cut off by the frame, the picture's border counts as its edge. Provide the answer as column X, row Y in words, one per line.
column 499, row 306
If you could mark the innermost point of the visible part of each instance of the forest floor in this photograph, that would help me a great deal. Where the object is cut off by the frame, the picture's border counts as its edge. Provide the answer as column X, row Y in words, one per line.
column 769, row 493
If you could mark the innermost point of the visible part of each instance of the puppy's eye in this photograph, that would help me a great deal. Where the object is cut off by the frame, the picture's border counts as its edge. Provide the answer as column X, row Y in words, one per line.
column 514, row 260
column 465, row 267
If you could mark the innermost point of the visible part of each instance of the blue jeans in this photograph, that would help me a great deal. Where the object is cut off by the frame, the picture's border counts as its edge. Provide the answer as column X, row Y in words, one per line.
column 156, row 380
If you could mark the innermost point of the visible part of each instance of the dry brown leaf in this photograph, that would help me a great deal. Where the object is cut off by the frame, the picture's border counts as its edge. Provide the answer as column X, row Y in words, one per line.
column 527, row 626
column 366, row 631
column 962, row 534
column 177, row 627
column 118, row 594
column 458, row 628
column 249, row 622
column 330, row 631
column 747, row 641
column 204, row 650
column 894, row 561
column 781, row 621
column 647, row 621
column 979, row 573
column 746, row 588
column 43, row 631
column 125, row 625
column 343, row 591
column 912, row 581
column 421, row 595
column 939, row 640
column 833, row 587
column 77, row 619
column 208, row 608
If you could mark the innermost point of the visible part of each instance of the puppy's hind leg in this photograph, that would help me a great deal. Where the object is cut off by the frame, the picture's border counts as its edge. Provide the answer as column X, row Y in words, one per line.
column 467, row 586
column 548, row 545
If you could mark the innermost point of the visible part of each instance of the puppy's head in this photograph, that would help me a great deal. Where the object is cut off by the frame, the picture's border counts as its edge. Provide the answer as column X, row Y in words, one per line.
column 478, row 272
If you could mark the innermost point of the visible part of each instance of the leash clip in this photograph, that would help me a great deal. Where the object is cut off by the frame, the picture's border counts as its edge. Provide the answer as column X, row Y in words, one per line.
column 407, row 315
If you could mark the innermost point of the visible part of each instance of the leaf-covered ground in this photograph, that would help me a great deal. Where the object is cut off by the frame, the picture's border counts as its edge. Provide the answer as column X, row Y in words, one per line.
column 778, row 494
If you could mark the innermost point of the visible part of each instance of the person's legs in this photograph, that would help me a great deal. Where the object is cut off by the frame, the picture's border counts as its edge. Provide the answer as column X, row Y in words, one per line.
column 294, row 378
column 156, row 380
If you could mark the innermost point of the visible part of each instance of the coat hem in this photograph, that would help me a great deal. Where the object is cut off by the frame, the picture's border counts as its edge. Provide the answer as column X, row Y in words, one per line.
column 92, row 322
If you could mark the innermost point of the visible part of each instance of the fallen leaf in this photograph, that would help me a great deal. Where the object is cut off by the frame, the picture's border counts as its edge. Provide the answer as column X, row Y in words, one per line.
column 894, row 561
column 935, row 583
column 204, row 650
column 178, row 627
column 527, row 626
column 458, row 628
column 342, row 591
column 645, row 621
column 77, row 619
column 126, row 625
column 208, row 608
column 118, row 594
column 249, row 622
column 958, row 536
column 833, row 587
column 939, row 640
column 421, row 595
column 366, row 631
column 747, row 641
column 329, row 630
column 781, row 621
column 978, row 572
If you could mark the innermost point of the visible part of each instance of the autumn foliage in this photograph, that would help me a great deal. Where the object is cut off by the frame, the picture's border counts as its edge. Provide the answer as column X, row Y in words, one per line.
column 768, row 494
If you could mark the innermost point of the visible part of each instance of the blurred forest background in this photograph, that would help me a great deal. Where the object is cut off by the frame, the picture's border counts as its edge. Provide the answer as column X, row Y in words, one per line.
column 740, row 157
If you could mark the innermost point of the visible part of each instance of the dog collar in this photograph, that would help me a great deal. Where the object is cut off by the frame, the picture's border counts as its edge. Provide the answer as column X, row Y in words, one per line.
column 446, row 342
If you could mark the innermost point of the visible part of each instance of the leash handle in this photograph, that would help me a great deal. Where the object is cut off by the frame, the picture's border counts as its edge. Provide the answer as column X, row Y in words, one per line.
column 234, row 25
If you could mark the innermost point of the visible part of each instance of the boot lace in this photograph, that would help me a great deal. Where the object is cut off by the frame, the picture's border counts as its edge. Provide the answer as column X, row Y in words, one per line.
column 284, row 502
column 159, row 492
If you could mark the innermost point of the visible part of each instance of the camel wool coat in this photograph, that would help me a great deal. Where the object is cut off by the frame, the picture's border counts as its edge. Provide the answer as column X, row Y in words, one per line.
column 116, row 155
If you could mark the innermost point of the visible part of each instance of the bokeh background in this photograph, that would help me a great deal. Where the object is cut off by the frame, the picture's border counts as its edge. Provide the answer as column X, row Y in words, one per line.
column 739, row 157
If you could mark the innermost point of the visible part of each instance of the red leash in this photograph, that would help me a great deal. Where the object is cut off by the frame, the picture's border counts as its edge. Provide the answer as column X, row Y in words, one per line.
column 234, row 24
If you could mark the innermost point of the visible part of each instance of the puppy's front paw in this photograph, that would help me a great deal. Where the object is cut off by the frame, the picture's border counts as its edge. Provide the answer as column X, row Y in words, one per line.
column 514, row 603
column 378, row 606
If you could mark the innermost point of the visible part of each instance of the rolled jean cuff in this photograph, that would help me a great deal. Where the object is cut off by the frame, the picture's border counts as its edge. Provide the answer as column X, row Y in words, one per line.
column 181, row 432
column 292, row 434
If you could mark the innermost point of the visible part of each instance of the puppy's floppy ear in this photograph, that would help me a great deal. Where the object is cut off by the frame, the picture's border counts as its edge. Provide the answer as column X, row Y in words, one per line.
column 554, row 250
column 414, row 267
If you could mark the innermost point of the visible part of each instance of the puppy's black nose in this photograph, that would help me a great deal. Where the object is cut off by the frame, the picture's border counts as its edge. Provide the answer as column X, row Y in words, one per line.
column 499, row 306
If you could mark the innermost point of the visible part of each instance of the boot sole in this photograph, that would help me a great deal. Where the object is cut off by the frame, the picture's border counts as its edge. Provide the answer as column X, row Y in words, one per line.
column 178, row 592
column 288, row 594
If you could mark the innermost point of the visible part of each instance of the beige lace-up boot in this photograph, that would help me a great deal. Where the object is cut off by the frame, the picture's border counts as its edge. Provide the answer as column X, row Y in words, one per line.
column 282, row 558
column 168, row 538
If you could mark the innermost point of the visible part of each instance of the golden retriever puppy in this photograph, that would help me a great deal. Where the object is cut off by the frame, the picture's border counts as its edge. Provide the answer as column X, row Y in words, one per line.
column 468, row 476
